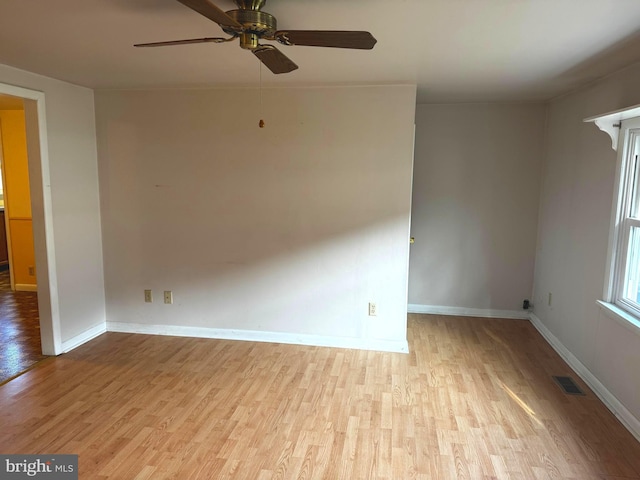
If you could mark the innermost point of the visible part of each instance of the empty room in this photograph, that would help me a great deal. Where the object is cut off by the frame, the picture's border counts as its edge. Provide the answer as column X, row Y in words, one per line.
column 291, row 239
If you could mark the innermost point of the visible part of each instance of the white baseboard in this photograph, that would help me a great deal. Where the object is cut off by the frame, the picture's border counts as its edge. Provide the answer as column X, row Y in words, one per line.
column 84, row 337
column 258, row 336
column 611, row 402
column 467, row 312
column 24, row 287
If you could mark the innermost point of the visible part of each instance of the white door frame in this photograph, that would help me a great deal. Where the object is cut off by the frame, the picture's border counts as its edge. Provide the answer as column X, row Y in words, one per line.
column 42, row 213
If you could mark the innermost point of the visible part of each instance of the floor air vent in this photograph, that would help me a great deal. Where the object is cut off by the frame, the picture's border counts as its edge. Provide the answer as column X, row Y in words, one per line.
column 568, row 386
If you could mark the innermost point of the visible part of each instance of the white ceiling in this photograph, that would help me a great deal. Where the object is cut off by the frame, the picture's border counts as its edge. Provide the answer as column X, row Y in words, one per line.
column 455, row 50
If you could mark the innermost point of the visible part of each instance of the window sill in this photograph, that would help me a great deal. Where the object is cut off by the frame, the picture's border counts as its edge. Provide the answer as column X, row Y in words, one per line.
column 630, row 322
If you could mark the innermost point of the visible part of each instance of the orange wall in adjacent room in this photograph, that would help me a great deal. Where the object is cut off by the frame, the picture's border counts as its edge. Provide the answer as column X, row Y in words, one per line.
column 17, row 196
column 22, row 257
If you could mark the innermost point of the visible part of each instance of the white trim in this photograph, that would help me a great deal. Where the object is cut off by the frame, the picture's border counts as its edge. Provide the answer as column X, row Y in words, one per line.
column 24, row 287
column 49, row 327
column 607, row 122
column 83, row 337
column 621, row 316
column 616, row 213
column 619, row 224
column 611, row 402
column 258, row 336
column 467, row 312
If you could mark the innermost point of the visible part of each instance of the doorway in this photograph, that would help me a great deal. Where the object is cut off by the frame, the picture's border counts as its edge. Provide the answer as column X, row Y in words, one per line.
column 20, row 342
column 42, row 215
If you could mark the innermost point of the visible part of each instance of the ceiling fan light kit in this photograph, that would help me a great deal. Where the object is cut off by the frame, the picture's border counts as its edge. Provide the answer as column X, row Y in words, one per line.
column 250, row 25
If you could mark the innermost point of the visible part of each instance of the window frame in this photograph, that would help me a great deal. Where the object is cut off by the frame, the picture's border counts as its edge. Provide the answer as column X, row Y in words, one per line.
column 627, row 184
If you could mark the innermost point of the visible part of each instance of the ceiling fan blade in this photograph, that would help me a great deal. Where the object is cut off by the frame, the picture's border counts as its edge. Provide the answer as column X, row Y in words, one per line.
column 326, row 38
column 274, row 59
column 185, row 42
column 209, row 10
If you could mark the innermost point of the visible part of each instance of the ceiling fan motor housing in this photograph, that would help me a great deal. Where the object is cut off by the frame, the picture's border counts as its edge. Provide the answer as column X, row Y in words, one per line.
column 255, row 25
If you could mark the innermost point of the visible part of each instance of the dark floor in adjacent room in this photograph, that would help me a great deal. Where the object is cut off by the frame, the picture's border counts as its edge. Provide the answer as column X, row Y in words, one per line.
column 19, row 330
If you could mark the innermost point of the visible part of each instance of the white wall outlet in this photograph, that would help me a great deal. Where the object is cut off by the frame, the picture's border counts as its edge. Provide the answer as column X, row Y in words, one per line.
column 168, row 297
column 32, row 271
column 148, row 296
column 373, row 309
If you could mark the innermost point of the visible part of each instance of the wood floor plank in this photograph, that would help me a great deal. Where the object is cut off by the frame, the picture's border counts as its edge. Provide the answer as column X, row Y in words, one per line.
column 473, row 400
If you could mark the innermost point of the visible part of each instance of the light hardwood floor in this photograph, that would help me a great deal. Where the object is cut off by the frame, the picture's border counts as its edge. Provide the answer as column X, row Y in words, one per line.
column 473, row 400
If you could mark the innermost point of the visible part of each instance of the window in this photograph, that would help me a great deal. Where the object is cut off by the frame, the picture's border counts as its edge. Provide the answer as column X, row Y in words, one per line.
column 625, row 288
column 621, row 296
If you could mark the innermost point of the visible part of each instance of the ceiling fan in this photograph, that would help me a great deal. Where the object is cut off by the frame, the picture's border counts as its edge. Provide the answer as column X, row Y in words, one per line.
column 250, row 24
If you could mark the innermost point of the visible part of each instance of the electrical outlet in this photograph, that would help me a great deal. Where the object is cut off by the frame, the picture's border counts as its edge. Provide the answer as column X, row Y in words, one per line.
column 168, row 297
column 148, row 296
column 373, row 309
column 32, row 271
column 550, row 298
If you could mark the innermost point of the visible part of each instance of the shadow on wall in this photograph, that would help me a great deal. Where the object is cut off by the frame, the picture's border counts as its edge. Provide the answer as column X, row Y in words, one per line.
column 609, row 60
column 475, row 204
column 295, row 227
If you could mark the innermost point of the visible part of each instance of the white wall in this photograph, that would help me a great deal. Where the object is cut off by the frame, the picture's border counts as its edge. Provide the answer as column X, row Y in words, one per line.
column 575, row 211
column 75, row 215
column 284, row 233
column 475, row 205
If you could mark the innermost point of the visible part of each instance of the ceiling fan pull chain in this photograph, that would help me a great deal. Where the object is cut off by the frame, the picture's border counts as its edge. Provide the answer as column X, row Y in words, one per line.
column 261, row 122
